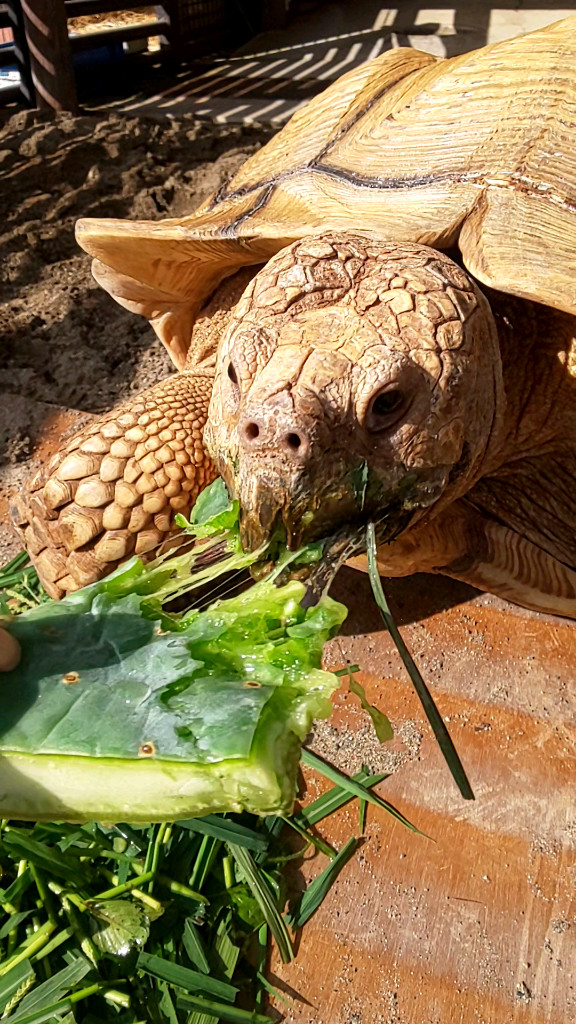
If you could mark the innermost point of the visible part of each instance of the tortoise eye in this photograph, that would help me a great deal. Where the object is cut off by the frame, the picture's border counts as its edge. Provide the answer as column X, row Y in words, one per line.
column 385, row 409
column 233, row 378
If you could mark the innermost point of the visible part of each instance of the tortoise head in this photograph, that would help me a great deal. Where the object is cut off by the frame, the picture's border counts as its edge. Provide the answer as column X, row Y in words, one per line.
column 356, row 379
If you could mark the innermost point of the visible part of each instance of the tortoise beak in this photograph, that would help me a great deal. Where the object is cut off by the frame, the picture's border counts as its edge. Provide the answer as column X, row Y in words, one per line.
column 296, row 514
column 260, row 512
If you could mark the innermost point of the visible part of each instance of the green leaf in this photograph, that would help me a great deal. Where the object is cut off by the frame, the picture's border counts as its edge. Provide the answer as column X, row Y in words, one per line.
column 214, row 511
column 316, row 891
column 13, row 922
column 184, row 977
column 204, row 862
column 226, row 951
column 166, row 1006
column 49, row 859
column 119, row 927
column 380, row 721
column 18, row 887
column 247, row 907
column 433, row 715
column 46, row 1013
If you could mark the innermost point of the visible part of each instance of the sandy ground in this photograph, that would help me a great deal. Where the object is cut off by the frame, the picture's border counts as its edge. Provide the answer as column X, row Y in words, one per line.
column 64, row 343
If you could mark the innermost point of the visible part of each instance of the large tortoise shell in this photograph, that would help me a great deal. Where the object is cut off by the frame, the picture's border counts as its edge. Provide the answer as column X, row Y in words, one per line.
column 476, row 151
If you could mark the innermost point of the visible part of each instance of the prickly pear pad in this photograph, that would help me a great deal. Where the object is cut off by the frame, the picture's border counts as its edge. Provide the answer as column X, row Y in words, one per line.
column 122, row 711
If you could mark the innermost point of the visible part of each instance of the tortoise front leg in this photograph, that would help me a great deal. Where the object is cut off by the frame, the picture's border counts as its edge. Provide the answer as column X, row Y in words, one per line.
column 113, row 490
column 496, row 558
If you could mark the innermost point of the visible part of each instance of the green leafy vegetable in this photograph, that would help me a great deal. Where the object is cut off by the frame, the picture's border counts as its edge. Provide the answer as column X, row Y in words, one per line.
column 213, row 512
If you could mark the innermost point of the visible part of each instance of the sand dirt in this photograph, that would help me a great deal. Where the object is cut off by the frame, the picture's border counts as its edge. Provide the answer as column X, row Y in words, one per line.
column 64, row 343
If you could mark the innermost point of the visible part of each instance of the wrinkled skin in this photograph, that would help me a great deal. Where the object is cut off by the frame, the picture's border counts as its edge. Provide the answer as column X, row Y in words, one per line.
column 355, row 380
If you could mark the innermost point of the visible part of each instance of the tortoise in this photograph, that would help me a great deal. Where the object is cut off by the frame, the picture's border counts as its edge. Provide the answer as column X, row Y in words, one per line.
column 375, row 319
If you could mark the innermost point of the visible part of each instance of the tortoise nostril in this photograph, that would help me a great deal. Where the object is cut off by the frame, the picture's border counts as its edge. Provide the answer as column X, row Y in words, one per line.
column 251, row 431
column 293, row 441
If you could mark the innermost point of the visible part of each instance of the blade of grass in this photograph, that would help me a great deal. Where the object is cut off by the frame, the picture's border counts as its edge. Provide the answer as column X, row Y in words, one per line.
column 316, row 891
column 18, row 562
column 362, row 809
column 45, row 857
column 184, row 977
column 271, row 990
column 263, row 895
column 194, row 946
column 224, row 948
column 17, row 889
column 204, row 861
column 62, row 1006
column 221, row 1011
column 355, row 788
column 15, row 983
column 119, row 890
column 380, row 721
column 228, row 831
column 13, row 922
column 53, row 944
column 260, row 964
column 432, row 714
column 29, row 947
column 166, row 1006
column 55, row 988
column 315, row 841
column 48, row 1013
column 335, row 798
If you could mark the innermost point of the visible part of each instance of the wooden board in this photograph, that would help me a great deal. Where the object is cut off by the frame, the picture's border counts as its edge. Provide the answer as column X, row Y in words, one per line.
column 478, row 923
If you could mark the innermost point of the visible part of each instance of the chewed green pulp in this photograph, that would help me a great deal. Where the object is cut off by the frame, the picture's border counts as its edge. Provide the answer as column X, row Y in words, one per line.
column 121, row 710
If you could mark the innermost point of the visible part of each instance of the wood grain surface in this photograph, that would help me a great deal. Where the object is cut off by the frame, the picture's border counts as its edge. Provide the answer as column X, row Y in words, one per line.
column 478, row 923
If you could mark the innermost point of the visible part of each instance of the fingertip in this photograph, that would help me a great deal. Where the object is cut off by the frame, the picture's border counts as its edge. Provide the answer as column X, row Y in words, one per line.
column 10, row 652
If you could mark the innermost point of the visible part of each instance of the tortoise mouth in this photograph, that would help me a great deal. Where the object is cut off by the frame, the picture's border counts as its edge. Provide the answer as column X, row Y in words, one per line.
column 348, row 541
column 301, row 514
